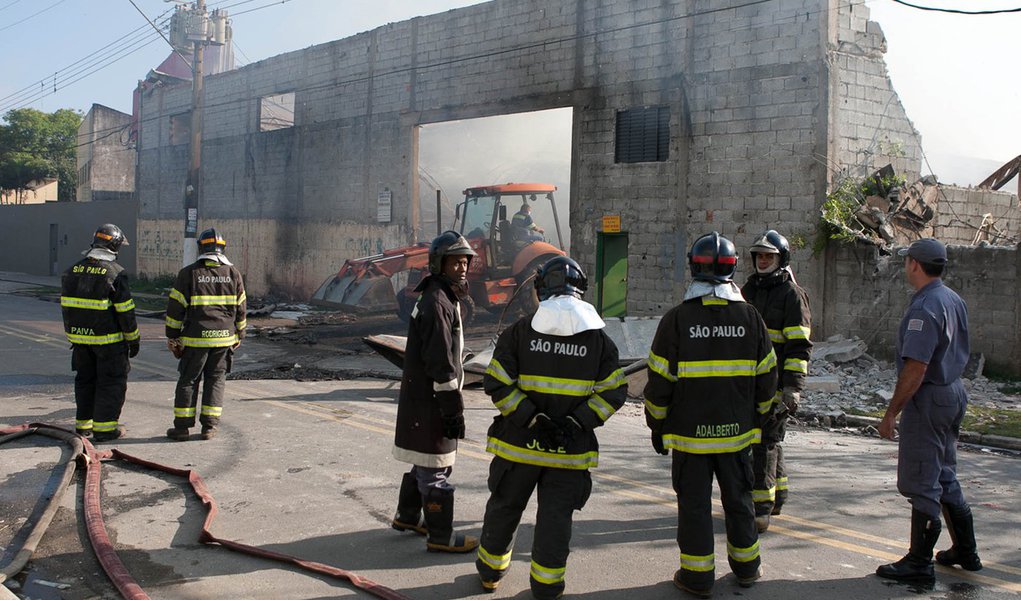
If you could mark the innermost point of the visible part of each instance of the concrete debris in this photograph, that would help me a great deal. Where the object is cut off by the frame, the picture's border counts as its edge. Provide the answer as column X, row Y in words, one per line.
column 838, row 349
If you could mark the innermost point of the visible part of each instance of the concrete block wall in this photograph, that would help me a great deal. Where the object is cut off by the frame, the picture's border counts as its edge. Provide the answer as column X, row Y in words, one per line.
column 109, row 161
column 871, row 295
column 961, row 213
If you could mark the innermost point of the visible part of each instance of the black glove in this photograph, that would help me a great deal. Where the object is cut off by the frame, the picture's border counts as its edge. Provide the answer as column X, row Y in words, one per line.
column 569, row 430
column 453, row 427
column 546, row 432
column 133, row 348
column 657, row 442
column 450, row 403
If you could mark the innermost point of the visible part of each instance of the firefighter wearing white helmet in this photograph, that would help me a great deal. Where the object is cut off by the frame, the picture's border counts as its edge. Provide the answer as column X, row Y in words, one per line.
column 784, row 306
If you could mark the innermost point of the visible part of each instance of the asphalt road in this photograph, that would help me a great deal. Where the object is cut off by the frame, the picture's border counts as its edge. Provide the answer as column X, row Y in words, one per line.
column 304, row 468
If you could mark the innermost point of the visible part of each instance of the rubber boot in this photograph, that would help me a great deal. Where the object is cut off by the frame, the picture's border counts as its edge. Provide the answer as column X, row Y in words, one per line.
column 178, row 434
column 439, row 519
column 961, row 527
column 409, row 507
column 916, row 566
column 108, row 436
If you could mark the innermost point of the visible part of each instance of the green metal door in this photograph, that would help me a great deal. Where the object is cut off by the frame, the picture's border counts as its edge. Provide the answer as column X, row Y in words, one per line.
column 611, row 274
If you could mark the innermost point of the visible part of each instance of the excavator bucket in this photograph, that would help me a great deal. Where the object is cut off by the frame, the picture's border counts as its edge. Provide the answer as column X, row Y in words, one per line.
column 357, row 292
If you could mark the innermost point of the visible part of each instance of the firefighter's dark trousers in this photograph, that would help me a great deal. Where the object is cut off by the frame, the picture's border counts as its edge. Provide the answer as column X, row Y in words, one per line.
column 561, row 492
column 693, row 482
column 770, row 489
column 100, row 385
column 208, row 365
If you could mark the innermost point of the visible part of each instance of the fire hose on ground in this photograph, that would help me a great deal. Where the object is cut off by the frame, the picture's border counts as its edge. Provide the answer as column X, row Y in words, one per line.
column 92, row 458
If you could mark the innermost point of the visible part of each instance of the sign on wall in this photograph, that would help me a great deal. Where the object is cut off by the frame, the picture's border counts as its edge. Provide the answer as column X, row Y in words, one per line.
column 384, row 202
column 611, row 224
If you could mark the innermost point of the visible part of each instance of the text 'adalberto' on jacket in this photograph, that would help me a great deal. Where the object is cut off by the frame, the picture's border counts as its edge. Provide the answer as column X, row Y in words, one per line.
column 531, row 372
column 712, row 376
column 96, row 303
column 207, row 306
column 784, row 307
column 433, row 376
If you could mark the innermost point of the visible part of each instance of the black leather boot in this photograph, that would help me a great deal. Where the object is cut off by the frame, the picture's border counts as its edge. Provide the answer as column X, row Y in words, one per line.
column 409, row 507
column 439, row 519
column 916, row 566
column 964, row 550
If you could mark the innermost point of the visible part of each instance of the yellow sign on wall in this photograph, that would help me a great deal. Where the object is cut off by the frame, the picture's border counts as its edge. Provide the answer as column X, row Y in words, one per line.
column 611, row 224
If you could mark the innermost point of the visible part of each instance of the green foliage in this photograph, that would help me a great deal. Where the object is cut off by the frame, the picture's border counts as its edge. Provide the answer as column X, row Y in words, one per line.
column 838, row 212
column 34, row 145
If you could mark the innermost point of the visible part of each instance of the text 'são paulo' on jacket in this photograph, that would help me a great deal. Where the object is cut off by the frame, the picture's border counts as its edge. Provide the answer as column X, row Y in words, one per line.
column 208, row 305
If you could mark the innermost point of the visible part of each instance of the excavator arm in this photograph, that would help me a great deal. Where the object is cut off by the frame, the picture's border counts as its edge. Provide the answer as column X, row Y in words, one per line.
column 363, row 284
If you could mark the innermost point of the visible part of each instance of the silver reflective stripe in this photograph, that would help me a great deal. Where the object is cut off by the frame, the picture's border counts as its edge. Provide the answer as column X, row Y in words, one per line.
column 743, row 554
column 588, row 460
column 555, row 385
column 659, row 365
column 657, row 412
column 496, row 371
column 510, row 402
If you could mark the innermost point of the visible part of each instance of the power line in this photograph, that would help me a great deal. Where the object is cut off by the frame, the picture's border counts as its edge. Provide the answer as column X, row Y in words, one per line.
column 167, row 40
column 957, row 11
column 6, row 27
column 10, row 4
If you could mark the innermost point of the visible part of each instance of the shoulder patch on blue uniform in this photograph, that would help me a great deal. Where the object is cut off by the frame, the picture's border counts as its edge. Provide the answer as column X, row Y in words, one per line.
column 915, row 325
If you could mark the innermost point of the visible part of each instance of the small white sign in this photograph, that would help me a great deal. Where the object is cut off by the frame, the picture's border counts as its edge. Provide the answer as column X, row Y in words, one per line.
column 384, row 202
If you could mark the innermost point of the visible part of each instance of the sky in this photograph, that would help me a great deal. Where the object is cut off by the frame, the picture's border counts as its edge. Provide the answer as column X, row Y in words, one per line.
column 955, row 74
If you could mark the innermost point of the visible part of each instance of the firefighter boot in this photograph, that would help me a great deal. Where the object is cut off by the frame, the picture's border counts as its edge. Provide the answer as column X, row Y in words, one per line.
column 208, row 432
column 107, row 436
column 439, row 520
column 409, row 507
column 916, row 566
column 962, row 532
column 178, row 434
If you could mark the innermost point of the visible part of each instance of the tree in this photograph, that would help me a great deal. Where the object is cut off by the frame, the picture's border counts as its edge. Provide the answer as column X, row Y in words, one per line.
column 35, row 144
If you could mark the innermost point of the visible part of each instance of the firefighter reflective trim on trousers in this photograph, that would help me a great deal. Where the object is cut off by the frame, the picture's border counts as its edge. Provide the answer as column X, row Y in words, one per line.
column 657, row 412
column 95, row 340
column 510, row 402
column 711, row 301
column 547, row 575
column 715, row 368
column 692, row 445
column 173, row 323
column 614, row 381
column 126, row 306
column 496, row 562
column 797, row 332
column 176, row 295
column 776, row 336
column 601, row 407
column 743, row 554
column 555, row 385
column 497, row 372
column 659, row 365
column 796, row 365
column 705, row 563
column 214, row 301
column 766, row 364
column 447, row 386
column 241, row 324
column 184, row 413
column 86, row 303
column 83, row 423
column 210, row 342
column 781, row 483
column 104, row 426
column 764, row 495
column 212, row 411
column 588, row 460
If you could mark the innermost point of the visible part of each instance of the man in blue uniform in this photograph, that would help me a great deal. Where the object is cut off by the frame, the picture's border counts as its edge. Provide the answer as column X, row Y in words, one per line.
column 932, row 350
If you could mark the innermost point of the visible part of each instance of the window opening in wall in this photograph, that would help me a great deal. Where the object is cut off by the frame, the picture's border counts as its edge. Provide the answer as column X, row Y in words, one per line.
column 180, row 128
column 276, row 112
column 643, row 135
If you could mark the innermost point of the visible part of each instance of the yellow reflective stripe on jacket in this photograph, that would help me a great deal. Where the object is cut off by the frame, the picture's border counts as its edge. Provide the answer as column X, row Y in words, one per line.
column 173, row 323
column 743, row 554
column 184, row 413
column 192, row 342
column 764, row 407
column 781, row 484
column 601, row 407
column 588, row 460
column 699, row 563
column 104, row 426
column 242, row 297
column 241, row 324
column 132, row 335
column 776, row 336
column 497, row 372
column 212, row 411
column 510, row 402
column 547, row 575
column 176, row 295
column 657, row 412
column 86, row 303
column 214, row 301
column 497, row 562
column 614, row 381
column 764, row 495
column 796, row 365
column 127, row 305
column 555, row 385
column 716, row 445
column 715, row 368
column 95, row 340
column 797, row 332
column 766, row 364
column 711, row 301
column 659, row 365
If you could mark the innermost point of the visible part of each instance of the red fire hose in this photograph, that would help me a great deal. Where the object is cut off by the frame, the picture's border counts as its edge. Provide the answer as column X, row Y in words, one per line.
column 111, row 563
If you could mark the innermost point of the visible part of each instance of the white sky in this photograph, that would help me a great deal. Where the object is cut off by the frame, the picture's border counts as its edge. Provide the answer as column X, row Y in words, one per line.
column 955, row 74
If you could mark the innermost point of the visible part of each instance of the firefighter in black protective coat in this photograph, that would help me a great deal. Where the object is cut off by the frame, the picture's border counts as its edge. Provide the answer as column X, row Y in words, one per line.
column 555, row 378
column 430, row 410
column 206, row 320
column 99, row 321
column 712, row 375
column 784, row 307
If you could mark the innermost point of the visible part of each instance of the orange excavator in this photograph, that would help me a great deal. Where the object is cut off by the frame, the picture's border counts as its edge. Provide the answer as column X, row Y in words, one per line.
column 507, row 258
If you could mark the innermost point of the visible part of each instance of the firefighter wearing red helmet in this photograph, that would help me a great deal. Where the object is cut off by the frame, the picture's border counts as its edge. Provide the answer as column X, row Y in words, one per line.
column 712, row 375
column 784, row 306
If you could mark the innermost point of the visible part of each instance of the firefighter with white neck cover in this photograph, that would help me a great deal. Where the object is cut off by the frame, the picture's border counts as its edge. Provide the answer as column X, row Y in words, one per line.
column 784, row 307
column 555, row 378
column 712, row 375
